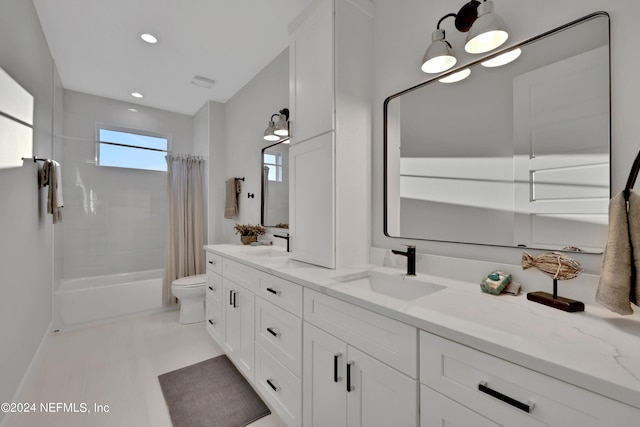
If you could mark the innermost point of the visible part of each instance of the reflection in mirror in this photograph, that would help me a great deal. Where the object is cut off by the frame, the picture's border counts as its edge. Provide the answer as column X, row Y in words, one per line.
column 275, row 185
column 516, row 155
column 16, row 122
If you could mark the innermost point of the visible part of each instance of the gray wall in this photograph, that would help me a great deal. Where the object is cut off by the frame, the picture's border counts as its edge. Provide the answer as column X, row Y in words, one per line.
column 26, row 231
column 402, row 31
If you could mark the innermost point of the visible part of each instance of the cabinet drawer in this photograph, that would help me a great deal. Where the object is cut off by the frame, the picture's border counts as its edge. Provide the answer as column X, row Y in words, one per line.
column 509, row 394
column 280, row 388
column 280, row 333
column 284, row 294
column 437, row 410
column 214, row 262
column 240, row 274
column 214, row 288
column 392, row 342
column 213, row 320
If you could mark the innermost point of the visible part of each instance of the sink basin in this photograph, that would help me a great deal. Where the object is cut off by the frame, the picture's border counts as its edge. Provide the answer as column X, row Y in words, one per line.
column 400, row 287
column 263, row 252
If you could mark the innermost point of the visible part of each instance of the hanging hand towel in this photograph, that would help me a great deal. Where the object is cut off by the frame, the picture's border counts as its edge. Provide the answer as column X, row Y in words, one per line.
column 50, row 175
column 634, row 235
column 231, row 200
column 616, row 273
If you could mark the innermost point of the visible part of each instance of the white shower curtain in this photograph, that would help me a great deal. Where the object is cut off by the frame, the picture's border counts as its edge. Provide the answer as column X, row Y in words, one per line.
column 185, row 220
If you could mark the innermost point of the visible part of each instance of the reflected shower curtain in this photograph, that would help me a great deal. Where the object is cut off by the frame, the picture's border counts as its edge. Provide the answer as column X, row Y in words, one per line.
column 185, row 220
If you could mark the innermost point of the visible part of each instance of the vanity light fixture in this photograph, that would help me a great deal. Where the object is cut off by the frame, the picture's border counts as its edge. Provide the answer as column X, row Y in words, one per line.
column 149, row 38
column 486, row 31
column 503, row 59
column 456, row 77
column 280, row 130
column 136, row 94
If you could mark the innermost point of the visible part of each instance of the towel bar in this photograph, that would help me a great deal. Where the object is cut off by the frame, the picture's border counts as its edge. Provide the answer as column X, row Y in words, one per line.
column 34, row 158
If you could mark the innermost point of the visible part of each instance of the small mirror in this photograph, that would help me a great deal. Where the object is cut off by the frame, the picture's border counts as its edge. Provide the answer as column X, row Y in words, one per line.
column 516, row 155
column 275, row 185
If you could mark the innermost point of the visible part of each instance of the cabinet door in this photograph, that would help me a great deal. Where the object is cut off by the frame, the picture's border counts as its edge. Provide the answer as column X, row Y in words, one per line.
column 379, row 395
column 312, row 201
column 311, row 73
column 239, row 327
column 324, row 386
column 437, row 410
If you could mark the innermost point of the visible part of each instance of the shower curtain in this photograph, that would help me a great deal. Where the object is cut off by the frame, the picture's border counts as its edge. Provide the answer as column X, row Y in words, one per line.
column 185, row 220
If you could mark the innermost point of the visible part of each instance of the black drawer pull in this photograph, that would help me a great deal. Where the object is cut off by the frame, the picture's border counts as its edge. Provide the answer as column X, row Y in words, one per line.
column 526, row 407
column 212, row 288
column 273, row 291
column 273, row 386
column 273, row 332
column 212, row 262
column 212, row 322
column 336, row 378
column 349, row 365
column 231, row 298
column 235, row 299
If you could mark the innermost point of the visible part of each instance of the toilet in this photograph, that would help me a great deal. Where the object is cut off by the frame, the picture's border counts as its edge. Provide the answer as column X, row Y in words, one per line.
column 190, row 291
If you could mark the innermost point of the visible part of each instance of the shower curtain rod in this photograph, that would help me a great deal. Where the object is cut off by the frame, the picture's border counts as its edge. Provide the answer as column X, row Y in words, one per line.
column 95, row 141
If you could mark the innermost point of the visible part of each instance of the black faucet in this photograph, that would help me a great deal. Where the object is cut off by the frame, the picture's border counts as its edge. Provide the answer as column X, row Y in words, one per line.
column 287, row 238
column 411, row 259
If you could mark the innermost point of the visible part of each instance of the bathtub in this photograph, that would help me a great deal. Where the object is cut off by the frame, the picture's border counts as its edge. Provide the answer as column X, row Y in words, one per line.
column 93, row 300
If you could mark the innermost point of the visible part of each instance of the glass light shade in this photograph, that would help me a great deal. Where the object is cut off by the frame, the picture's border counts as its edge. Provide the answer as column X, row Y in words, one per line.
column 503, row 59
column 456, row 77
column 439, row 56
column 488, row 31
column 268, row 133
column 282, row 127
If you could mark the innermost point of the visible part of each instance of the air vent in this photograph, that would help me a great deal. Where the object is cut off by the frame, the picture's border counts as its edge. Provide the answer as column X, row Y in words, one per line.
column 202, row 82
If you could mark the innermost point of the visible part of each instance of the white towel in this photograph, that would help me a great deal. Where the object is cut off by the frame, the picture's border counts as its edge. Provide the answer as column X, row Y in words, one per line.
column 618, row 285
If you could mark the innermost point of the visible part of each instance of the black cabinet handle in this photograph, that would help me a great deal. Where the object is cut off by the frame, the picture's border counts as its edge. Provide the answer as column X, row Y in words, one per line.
column 212, row 288
column 273, row 291
column 235, row 299
column 212, row 322
column 336, row 378
column 273, row 332
column 526, row 407
column 349, row 365
column 273, row 386
column 231, row 298
column 212, row 262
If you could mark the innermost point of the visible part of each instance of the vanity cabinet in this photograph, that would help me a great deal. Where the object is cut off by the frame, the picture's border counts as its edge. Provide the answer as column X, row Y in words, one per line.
column 330, row 54
column 346, row 381
column 214, row 315
column 475, row 388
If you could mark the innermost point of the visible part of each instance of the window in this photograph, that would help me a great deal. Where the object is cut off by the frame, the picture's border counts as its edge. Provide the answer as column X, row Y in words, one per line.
column 126, row 148
column 274, row 162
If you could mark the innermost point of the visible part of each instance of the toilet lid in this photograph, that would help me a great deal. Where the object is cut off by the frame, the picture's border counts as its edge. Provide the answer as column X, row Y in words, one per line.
column 191, row 281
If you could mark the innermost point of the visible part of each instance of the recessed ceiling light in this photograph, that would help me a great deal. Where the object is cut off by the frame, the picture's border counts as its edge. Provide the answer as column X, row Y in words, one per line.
column 149, row 38
column 136, row 94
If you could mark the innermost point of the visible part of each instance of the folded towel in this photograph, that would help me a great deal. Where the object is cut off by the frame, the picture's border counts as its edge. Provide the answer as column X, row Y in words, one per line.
column 231, row 200
column 634, row 236
column 50, row 175
column 617, row 270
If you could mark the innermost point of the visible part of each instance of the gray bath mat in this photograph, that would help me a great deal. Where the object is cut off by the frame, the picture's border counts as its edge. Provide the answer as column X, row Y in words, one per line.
column 211, row 394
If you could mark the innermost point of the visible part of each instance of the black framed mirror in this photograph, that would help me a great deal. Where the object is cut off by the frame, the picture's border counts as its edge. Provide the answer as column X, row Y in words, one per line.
column 274, row 204
column 516, row 155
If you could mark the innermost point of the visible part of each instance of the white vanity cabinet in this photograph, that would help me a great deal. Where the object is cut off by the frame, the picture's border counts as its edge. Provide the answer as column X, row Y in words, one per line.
column 214, row 314
column 330, row 68
column 346, row 382
column 239, row 283
column 475, row 388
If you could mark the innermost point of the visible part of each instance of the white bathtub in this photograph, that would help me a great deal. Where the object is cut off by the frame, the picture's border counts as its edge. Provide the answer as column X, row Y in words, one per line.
column 93, row 300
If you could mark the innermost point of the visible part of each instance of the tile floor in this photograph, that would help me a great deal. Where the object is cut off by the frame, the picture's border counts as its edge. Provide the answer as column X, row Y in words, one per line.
column 117, row 364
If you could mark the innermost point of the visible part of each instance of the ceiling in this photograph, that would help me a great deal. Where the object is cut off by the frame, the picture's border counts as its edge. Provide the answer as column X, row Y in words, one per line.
column 97, row 47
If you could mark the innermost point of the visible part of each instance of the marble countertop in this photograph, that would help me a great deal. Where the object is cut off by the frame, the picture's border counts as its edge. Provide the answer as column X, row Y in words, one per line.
column 596, row 349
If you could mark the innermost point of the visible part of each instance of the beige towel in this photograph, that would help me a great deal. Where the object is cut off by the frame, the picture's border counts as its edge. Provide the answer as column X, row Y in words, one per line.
column 50, row 175
column 231, row 200
column 617, row 286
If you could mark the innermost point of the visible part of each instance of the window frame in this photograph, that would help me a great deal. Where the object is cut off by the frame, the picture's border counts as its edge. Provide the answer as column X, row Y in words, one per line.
column 101, row 126
column 277, row 165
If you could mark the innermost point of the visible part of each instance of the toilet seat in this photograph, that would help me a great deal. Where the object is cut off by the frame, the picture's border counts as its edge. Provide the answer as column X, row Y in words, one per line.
column 191, row 281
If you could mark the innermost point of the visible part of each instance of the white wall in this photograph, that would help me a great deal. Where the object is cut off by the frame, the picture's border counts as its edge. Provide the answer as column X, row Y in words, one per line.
column 114, row 219
column 26, row 237
column 247, row 114
column 402, row 32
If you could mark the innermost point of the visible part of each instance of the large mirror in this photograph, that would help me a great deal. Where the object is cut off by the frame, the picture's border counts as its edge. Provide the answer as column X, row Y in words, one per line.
column 16, row 122
column 275, row 185
column 516, row 155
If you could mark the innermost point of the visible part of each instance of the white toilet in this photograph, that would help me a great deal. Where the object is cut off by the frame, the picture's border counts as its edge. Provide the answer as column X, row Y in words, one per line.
column 191, row 291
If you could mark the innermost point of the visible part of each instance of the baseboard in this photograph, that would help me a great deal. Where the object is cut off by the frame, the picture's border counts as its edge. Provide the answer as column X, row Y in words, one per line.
column 36, row 361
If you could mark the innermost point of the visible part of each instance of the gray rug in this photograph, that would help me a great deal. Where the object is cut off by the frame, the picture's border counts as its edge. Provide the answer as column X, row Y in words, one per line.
column 211, row 394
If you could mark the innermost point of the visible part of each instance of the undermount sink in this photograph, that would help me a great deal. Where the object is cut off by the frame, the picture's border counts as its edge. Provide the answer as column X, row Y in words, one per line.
column 264, row 252
column 400, row 287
